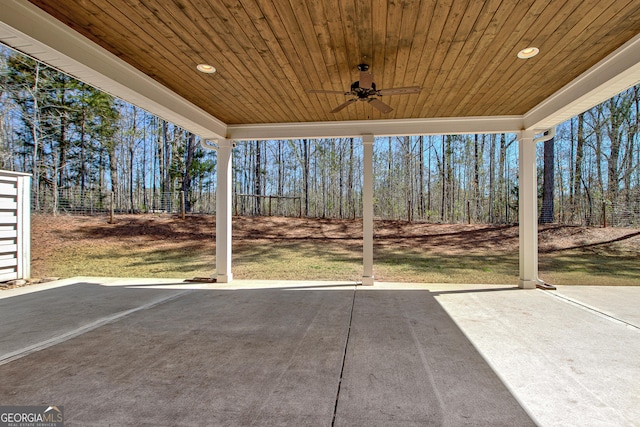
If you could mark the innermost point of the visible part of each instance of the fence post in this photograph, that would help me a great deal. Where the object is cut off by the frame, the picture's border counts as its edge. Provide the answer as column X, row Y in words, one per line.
column 604, row 214
column 112, row 207
column 269, row 205
column 182, row 205
column 468, row 212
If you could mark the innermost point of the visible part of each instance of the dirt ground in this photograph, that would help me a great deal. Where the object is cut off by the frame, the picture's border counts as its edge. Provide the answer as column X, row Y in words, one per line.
column 52, row 235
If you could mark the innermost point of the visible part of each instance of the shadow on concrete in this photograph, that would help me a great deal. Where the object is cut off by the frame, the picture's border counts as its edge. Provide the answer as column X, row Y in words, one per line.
column 273, row 356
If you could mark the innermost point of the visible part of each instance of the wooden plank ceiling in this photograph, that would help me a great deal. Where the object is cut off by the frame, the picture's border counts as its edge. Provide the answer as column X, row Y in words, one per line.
column 269, row 53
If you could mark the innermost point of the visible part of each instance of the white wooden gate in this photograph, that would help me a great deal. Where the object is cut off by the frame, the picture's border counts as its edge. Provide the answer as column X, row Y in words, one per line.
column 15, row 226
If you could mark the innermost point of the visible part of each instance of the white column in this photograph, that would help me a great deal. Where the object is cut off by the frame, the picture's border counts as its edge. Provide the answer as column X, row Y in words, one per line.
column 528, row 211
column 223, row 211
column 367, row 210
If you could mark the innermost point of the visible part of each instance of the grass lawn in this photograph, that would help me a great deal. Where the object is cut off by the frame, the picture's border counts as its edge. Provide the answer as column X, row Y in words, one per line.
column 307, row 249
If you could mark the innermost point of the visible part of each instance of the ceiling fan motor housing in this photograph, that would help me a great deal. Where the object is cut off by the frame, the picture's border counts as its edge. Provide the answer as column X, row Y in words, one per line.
column 362, row 92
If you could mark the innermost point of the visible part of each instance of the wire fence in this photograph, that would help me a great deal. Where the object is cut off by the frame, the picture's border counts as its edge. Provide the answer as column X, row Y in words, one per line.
column 77, row 202
column 596, row 212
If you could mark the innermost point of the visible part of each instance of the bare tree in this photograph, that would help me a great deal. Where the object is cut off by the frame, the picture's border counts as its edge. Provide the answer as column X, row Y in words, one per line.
column 548, row 176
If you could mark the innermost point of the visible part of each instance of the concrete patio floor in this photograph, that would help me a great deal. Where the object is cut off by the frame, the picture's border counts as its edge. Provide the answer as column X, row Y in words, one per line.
column 135, row 352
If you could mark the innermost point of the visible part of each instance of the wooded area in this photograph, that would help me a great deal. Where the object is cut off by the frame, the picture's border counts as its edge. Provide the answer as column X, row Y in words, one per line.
column 81, row 145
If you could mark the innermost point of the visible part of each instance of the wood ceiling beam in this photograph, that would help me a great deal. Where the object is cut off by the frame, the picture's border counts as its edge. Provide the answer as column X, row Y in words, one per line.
column 393, row 127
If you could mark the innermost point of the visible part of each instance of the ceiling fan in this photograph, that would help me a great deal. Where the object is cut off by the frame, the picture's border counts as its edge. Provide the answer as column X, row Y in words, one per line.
column 365, row 90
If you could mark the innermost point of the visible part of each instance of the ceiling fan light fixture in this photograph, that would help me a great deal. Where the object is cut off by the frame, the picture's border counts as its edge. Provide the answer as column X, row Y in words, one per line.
column 206, row 68
column 529, row 52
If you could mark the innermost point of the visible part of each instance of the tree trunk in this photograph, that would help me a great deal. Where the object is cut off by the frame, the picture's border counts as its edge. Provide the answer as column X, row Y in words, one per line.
column 548, row 183
column 131, row 178
column 62, row 153
column 350, row 202
column 166, row 150
column 162, row 134
column 305, row 166
column 429, row 206
column 502, row 196
column 450, row 178
column 476, row 177
column 83, row 161
column 145, row 201
column 632, row 164
column 408, row 182
column 492, row 174
column 132, row 147
column 113, row 167
column 156, row 165
column 257, row 179
column 187, row 178
column 280, row 160
column 421, row 204
column 443, row 168
column 614, row 154
column 35, row 126
column 577, row 175
column 598, row 148
column 390, row 187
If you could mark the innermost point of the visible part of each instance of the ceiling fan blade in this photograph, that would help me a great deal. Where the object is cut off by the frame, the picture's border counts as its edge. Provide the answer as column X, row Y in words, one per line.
column 399, row 90
column 337, row 92
column 341, row 106
column 384, row 108
column 366, row 79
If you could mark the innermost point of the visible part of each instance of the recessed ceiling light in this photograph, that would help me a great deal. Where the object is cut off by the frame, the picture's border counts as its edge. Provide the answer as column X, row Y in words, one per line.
column 529, row 52
column 206, row 68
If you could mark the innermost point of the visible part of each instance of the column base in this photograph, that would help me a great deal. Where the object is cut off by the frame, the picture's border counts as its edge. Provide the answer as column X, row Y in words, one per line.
column 527, row 284
column 367, row 280
column 224, row 278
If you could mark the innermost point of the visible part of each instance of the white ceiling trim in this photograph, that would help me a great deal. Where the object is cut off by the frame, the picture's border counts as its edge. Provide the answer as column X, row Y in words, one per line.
column 617, row 72
column 396, row 127
column 28, row 29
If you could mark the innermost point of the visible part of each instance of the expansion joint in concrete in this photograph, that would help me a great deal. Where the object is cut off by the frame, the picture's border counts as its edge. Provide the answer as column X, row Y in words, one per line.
column 344, row 357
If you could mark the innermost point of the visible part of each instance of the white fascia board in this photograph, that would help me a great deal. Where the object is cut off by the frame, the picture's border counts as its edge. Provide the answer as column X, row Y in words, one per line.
column 356, row 128
column 617, row 72
column 30, row 30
